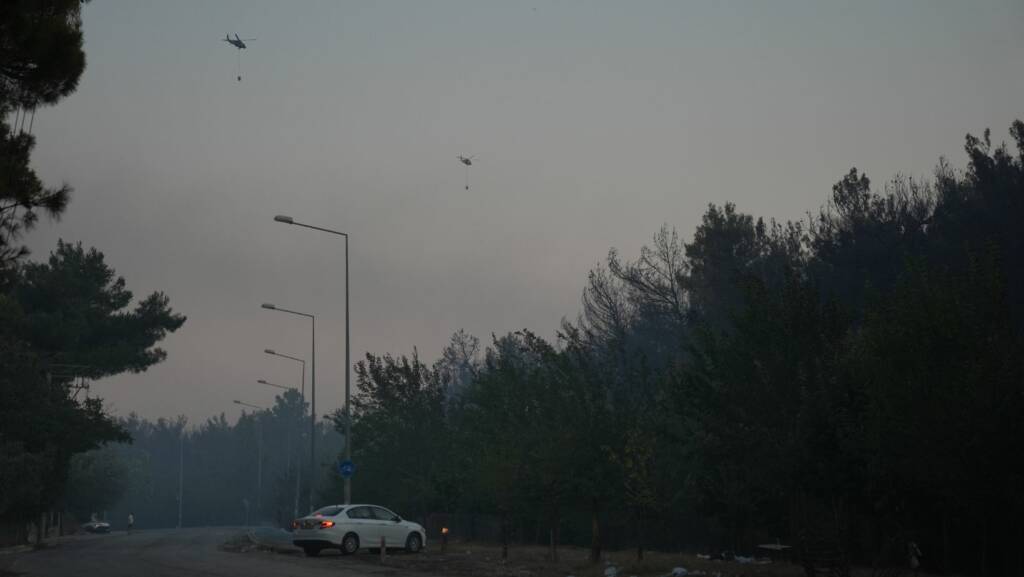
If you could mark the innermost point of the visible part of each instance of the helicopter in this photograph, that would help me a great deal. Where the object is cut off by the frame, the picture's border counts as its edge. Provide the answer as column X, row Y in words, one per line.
column 237, row 42
column 468, row 161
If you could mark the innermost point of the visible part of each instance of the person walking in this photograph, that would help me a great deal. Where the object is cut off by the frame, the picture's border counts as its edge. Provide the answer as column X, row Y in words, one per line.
column 131, row 522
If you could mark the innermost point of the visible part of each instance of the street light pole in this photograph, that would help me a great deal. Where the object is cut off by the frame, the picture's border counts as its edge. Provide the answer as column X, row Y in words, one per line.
column 298, row 461
column 348, row 370
column 181, row 470
column 302, row 410
column 312, row 403
column 348, row 360
column 259, row 458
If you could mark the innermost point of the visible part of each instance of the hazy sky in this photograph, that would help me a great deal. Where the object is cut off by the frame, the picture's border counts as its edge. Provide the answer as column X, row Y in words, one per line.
column 594, row 123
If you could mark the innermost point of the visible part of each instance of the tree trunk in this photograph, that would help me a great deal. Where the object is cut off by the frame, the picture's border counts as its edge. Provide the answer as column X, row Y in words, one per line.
column 640, row 536
column 595, row 534
column 554, row 539
column 946, row 568
column 504, row 536
column 794, row 517
column 733, row 525
column 984, row 547
column 1020, row 556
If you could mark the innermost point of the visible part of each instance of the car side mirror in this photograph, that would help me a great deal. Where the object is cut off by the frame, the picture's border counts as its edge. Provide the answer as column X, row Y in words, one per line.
column 396, row 519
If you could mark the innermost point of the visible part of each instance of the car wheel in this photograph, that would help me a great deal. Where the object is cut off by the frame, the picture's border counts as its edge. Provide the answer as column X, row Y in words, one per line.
column 311, row 551
column 414, row 543
column 350, row 544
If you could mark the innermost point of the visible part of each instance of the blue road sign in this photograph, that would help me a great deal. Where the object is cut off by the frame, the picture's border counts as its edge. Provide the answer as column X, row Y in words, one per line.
column 346, row 469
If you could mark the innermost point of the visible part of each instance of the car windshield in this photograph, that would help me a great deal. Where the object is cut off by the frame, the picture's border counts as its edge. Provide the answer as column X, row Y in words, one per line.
column 328, row 511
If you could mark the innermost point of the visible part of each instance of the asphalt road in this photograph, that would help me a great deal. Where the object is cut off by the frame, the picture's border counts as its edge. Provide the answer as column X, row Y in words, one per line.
column 178, row 552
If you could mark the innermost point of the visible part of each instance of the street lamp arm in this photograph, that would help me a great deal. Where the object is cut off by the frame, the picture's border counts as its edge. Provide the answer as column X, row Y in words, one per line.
column 277, row 354
column 269, row 384
column 307, row 315
column 337, row 232
column 271, row 307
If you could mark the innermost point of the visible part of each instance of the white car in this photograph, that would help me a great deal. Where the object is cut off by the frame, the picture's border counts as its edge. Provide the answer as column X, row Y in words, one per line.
column 350, row 527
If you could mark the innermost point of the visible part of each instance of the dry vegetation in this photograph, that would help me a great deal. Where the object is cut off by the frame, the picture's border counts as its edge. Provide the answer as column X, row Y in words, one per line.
column 462, row 559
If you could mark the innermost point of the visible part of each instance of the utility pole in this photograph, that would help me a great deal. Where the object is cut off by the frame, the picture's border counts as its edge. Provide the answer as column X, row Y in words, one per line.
column 181, row 470
column 312, row 420
column 298, row 429
column 259, row 455
column 298, row 458
column 259, row 466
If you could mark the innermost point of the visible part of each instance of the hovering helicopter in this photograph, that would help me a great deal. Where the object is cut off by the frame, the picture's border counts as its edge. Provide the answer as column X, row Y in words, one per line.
column 468, row 161
column 238, row 43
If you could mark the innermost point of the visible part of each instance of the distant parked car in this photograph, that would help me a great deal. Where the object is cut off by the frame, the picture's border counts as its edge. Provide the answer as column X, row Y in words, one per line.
column 96, row 527
column 351, row 527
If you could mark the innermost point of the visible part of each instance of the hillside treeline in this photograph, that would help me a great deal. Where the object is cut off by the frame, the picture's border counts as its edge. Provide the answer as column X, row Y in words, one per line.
column 853, row 378
column 255, row 470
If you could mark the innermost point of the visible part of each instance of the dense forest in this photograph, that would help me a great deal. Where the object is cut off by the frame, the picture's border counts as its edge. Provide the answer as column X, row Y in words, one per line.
column 852, row 378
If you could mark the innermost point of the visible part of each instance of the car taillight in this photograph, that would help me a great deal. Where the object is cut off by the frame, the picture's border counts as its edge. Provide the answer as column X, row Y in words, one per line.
column 295, row 524
column 326, row 524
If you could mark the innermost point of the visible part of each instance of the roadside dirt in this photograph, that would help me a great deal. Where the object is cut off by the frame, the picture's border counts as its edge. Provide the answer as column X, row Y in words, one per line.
column 465, row 560
column 481, row 560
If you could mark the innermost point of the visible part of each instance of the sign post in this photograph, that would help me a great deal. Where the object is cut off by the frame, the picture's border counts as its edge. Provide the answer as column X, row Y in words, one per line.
column 346, row 469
